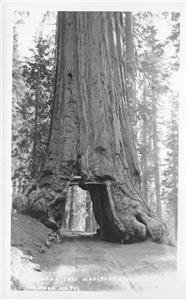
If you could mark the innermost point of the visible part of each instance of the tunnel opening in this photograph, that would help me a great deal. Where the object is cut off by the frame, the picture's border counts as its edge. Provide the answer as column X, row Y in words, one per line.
column 88, row 209
column 79, row 214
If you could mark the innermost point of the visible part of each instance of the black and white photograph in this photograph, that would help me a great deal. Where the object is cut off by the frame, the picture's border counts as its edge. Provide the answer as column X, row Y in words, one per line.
column 94, row 129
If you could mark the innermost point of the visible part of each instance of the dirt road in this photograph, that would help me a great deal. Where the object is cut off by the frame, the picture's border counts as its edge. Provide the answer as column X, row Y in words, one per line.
column 82, row 263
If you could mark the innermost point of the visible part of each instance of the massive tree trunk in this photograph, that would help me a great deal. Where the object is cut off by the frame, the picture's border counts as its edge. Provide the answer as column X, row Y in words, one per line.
column 91, row 135
column 130, row 71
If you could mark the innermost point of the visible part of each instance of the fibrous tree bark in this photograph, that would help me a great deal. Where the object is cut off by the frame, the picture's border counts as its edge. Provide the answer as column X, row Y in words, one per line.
column 130, row 71
column 156, row 160
column 91, row 135
column 144, row 152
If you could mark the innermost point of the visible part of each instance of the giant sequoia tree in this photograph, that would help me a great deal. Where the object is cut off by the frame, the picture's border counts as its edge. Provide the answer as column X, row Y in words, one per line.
column 91, row 136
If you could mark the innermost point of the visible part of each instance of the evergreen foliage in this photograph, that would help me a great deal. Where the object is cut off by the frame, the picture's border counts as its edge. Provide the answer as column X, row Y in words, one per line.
column 32, row 115
column 155, row 69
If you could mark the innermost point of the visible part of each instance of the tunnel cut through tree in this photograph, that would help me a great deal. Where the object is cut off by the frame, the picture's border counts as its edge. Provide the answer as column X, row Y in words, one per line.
column 91, row 135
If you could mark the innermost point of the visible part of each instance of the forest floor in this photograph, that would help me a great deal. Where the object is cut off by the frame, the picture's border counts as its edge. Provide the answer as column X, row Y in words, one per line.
column 82, row 263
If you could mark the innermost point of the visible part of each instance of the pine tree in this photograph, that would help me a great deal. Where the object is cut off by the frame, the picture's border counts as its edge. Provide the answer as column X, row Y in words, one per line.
column 150, row 79
column 32, row 99
column 155, row 71
column 18, row 87
column 38, row 73
column 170, row 166
column 170, row 174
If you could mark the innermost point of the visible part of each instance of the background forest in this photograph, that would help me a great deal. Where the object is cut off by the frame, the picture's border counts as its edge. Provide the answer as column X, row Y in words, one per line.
column 152, row 61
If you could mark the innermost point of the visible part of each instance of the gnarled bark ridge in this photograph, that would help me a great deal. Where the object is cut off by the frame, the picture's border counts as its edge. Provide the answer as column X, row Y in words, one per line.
column 91, row 135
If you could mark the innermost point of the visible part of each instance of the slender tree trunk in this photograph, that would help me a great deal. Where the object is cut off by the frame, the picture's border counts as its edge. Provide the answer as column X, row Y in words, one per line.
column 130, row 72
column 14, row 187
column 144, row 152
column 88, row 224
column 20, row 186
column 156, row 160
column 34, row 150
column 91, row 135
column 175, row 167
column 94, row 223
column 65, row 221
column 72, row 195
column 175, row 193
